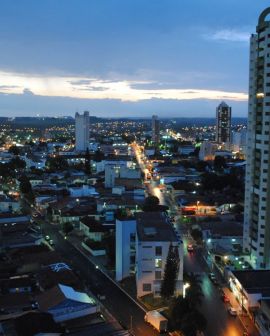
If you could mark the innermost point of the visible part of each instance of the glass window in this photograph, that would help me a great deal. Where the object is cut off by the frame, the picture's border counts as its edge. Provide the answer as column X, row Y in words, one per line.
column 157, row 275
column 158, row 250
column 158, row 262
column 147, row 287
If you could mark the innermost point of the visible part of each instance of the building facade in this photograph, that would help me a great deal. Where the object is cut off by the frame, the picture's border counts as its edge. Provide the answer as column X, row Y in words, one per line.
column 154, row 235
column 82, row 131
column 155, row 130
column 223, row 123
column 257, row 193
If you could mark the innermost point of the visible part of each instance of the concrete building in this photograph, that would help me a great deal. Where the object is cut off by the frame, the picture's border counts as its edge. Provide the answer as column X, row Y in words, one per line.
column 81, row 131
column 118, row 170
column 125, row 247
column 223, row 123
column 154, row 235
column 239, row 141
column 207, row 151
column 257, row 196
column 155, row 130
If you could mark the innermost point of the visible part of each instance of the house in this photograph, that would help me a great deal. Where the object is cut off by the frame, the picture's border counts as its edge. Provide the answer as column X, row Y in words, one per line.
column 8, row 204
column 249, row 287
column 83, row 191
column 92, row 229
column 64, row 303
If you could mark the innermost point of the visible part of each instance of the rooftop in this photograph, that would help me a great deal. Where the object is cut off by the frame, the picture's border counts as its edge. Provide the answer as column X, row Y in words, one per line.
column 154, row 226
column 254, row 281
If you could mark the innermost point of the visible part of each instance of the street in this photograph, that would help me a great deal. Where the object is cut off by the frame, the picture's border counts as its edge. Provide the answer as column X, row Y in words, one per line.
column 117, row 302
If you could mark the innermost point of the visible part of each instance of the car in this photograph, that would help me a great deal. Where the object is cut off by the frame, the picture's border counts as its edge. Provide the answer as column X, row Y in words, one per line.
column 47, row 238
column 190, row 248
column 232, row 311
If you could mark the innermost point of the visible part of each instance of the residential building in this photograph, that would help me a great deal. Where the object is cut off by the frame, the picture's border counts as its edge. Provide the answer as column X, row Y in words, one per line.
column 81, row 131
column 155, row 130
column 125, row 247
column 64, row 303
column 257, row 196
column 154, row 235
column 223, row 123
column 207, row 151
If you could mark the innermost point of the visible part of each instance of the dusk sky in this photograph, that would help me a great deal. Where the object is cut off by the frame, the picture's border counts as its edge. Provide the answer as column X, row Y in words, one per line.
column 130, row 58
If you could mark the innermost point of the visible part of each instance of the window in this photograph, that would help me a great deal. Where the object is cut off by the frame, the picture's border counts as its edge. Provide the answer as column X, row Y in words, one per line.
column 158, row 262
column 147, row 287
column 158, row 250
column 157, row 275
column 147, row 246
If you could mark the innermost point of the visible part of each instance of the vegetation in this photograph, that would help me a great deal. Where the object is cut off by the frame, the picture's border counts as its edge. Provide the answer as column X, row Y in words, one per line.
column 14, row 150
column 87, row 163
column 170, row 273
column 26, row 189
column 67, row 228
column 57, row 163
column 109, row 243
column 183, row 313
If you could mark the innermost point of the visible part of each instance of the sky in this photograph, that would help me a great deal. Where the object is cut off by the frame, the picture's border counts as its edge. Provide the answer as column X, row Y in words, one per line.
column 125, row 58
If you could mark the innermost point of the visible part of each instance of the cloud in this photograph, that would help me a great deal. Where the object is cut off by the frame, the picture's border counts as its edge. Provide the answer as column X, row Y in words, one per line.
column 28, row 92
column 228, row 35
column 122, row 90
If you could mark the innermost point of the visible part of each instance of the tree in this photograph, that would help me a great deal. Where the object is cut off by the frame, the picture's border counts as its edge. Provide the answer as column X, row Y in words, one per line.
column 238, row 208
column 14, row 150
column 87, row 162
column 17, row 163
column 57, row 163
column 26, row 189
column 98, row 156
column 220, row 162
column 151, row 203
column 194, row 293
column 67, row 228
column 170, row 272
column 193, row 323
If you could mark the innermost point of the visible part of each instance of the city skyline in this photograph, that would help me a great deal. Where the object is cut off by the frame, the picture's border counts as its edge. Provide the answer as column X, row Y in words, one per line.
column 125, row 59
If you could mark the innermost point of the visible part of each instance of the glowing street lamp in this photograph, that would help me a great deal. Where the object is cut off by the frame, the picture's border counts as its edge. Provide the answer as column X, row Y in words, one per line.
column 185, row 287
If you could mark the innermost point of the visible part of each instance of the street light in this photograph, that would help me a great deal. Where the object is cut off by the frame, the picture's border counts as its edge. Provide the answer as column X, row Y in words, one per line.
column 185, row 287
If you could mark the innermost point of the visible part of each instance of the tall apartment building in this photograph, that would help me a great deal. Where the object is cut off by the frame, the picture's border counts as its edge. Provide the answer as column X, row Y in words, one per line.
column 82, row 131
column 155, row 130
column 223, row 123
column 257, row 193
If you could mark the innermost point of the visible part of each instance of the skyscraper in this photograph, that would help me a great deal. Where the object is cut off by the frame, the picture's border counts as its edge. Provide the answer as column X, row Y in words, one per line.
column 82, row 131
column 155, row 130
column 257, row 193
column 223, row 123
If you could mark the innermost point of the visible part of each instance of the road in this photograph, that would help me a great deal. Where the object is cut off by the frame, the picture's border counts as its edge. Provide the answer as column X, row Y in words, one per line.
column 117, row 302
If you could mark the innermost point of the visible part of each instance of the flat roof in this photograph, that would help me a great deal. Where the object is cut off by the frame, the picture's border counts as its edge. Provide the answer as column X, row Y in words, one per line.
column 254, row 281
column 155, row 226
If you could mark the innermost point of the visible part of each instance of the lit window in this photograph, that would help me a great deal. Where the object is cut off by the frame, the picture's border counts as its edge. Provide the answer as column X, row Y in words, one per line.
column 158, row 262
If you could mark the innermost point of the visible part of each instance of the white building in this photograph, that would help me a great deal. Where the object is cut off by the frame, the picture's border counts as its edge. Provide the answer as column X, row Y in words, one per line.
column 207, row 151
column 81, row 131
column 82, row 191
column 154, row 235
column 125, row 247
column 118, row 170
column 257, row 196
column 239, row 141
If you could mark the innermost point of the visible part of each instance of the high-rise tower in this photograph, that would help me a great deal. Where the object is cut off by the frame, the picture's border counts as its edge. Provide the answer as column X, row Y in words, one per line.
column 223, row 123
column 155, row 130
column 82, row 131
column 257, row 189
